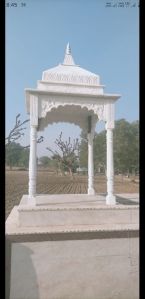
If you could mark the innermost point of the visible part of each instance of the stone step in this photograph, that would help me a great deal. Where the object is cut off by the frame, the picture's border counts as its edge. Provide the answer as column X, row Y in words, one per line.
column 16, row 232
column 73, row 212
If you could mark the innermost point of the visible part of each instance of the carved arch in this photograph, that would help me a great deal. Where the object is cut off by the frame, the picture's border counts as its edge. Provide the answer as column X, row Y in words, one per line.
column 47, row 106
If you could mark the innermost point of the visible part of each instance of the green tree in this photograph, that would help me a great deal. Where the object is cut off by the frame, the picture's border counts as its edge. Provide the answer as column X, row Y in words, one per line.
column 45, row 161
column 126, row 146
column 100, row 151
column 24, row 158
column 17, row 155
column 13, row 154
column 83, row 150
column 135, row 127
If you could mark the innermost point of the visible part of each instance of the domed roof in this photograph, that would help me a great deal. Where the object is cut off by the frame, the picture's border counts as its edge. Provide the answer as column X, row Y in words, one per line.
column 69, row 72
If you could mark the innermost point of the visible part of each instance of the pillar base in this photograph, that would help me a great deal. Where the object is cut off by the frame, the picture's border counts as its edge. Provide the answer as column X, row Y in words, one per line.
column 31, row 200
column 91, row 191
column 111, row 200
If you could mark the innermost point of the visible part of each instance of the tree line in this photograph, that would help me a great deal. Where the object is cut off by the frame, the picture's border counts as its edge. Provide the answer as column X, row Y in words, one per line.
column 126, row 148
column 71, row 155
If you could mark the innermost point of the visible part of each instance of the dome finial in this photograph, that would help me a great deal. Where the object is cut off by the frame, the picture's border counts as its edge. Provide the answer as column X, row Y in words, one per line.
column 68, row 59
column 68, row 49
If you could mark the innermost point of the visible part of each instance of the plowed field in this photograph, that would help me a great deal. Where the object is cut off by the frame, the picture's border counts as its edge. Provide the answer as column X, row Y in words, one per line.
column 17, row 185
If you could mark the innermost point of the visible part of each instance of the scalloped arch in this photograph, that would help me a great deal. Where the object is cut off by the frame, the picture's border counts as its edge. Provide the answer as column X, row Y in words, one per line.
column 48, row 106
column 61, row 112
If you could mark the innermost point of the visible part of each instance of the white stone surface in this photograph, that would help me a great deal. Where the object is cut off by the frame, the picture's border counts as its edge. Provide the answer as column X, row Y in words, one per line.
column 13, row 230
column 91, row 190
column 32, row 163
column 110, row 198
column 75, row 269
column 73, row 217
column 69, row 72
column 68, row 87
column 73, row 211
column 70, row 261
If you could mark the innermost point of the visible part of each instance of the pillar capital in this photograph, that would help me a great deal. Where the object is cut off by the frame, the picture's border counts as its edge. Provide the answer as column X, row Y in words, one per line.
column 109, row 125
column 109, row 115
column 34, row 111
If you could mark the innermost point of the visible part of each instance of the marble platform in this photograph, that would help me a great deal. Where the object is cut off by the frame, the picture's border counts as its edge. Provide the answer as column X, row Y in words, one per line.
column 66, row 212
column 73, row 247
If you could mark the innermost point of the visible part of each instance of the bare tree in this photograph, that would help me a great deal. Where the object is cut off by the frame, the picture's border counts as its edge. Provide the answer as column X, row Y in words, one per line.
column 18, row 131
column 67, row 156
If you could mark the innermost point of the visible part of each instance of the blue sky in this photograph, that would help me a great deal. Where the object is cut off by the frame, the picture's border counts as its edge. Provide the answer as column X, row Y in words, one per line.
column 103, row 40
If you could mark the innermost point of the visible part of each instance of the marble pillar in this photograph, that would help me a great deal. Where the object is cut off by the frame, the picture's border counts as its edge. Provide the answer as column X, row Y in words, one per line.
column 33, row 162
column 91, row 190
column 110, row 198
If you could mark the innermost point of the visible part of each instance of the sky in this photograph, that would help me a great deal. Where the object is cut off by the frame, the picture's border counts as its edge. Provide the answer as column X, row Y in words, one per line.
column 103, row 40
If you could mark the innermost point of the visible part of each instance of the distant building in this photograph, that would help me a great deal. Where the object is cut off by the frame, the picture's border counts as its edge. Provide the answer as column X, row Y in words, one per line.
column 82, row 170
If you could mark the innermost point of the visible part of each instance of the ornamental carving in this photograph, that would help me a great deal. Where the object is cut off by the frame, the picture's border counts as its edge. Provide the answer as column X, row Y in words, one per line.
column 68, row 78
column 47, row 106
column 98, row 109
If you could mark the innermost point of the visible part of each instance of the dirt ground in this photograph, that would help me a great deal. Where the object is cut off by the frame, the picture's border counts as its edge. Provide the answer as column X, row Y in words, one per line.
column 17, row 185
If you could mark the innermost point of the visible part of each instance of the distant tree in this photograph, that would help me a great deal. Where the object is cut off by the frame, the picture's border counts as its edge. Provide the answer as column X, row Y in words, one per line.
column 24, row 158
column 13, row 154
column 16, row 155
column 126, row 148
column 67, row 154
column 45, row 161
column 100, row 151
column 83, row 150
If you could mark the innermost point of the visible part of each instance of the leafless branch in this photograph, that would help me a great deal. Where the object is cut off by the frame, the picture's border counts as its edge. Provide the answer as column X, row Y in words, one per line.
column 16, row 132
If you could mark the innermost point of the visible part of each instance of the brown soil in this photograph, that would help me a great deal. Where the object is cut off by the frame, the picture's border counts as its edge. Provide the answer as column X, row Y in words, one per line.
column 17, row 185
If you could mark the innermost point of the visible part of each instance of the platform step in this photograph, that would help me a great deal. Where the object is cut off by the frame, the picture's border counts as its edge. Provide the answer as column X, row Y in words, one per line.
column 72, row 210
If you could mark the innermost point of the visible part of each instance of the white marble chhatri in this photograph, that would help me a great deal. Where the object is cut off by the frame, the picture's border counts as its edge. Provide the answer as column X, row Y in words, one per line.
column 69, row 93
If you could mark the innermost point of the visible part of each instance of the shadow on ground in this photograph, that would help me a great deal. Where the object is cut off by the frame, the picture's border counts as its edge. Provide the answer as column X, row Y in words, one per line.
column 126, row 201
